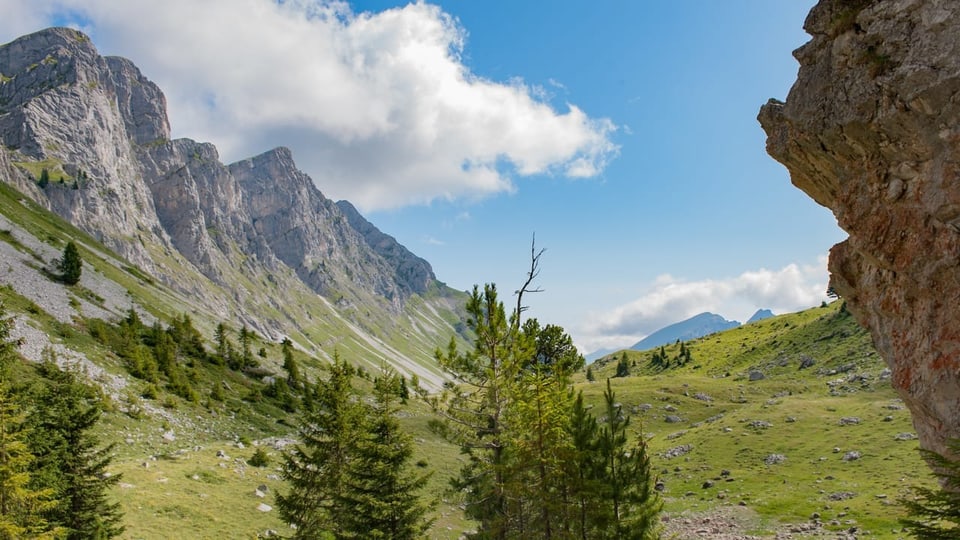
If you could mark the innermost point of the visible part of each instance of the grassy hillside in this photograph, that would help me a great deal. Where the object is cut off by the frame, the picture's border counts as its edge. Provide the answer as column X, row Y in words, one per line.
column 783, row 446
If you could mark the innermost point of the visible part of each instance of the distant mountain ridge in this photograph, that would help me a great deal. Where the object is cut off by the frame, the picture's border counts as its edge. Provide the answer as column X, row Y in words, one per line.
column 760, row 315
column 697, row 326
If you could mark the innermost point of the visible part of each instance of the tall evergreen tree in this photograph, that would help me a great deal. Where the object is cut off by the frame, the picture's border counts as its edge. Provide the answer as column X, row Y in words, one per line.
column 316, row 468
column 246, row 349
column 382, row 496
column 22, row 507
column 537, row 462
column 631, row 504
column 70, row 459
column 584, row 490
column 475, row 409
column 70, row 264
column 224, row 348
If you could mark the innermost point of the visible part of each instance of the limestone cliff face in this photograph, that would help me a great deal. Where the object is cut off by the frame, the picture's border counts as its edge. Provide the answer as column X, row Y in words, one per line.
column 59, row 107
column 871, row 130
column 414, row 275
column 308, row 232
column 100, row 124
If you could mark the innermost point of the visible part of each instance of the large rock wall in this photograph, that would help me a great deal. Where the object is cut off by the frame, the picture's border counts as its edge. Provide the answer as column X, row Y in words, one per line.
column 871, row 130
column 65, row 107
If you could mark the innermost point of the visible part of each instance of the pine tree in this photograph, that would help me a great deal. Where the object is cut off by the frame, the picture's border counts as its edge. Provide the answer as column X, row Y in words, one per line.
column 290, row 364
column 44, row 178
column 381, row 499
column 316, row 468
column 22, row 506
column 935, row 514
column 70, row 459
column 474, row 410
column 631, row 503
column 70, row 264
column 246, row 349
column 223, row 352
column 582, row 470
column 623, row 366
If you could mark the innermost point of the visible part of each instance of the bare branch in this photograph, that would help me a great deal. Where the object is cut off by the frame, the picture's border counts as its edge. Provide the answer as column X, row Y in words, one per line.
column 531, row 276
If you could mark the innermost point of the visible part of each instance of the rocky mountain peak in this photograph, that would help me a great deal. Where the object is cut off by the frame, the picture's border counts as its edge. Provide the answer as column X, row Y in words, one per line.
column 99, row 123
column 870, row 130
column 142, row 104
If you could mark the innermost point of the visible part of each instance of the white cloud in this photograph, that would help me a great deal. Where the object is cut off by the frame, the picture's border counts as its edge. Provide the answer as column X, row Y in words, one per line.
column 377, row 107
column 671, row 300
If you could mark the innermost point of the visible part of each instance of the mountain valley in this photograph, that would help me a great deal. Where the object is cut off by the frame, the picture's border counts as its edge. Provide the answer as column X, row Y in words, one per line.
column 790, row 420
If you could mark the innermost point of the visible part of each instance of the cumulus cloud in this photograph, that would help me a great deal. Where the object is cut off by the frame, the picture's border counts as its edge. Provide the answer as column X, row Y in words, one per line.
column 378, row 107
column 670, row 300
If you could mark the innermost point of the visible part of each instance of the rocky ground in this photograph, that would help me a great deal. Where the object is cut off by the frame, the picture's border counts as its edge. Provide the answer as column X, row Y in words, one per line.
column 737, row 522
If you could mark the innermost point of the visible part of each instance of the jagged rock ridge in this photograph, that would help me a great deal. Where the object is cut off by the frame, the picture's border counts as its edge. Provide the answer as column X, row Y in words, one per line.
column 254, row 230
column 66, row 105
column 871, row 130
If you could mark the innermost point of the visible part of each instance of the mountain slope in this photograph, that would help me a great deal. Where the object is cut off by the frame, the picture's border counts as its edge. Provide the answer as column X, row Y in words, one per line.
column 783, row 418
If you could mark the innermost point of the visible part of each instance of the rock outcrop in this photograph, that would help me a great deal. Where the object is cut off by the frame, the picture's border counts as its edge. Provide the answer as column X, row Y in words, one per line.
column 414, row 275
column 59, row 110
column 871, row 130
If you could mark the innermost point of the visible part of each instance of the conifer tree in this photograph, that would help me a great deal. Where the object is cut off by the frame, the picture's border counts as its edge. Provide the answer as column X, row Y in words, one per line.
column 246, row 348
column 22, row 506
column 70, row 459
column 631, row 504
column 316, row 468
column 70, row 264
column 623, row 366
column 290, row 364
column 475, row 409
column 537, row 461
column 382, row 496
column 935, row 514
column 44, row 178
column 584, row 490
column 224, row 349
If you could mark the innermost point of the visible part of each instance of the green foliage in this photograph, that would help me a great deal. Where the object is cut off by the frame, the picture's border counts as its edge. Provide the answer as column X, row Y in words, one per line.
column 290, row 364
column 382, row 495
column 316, row 468
column 623, row 366
column 350, row 476
column 44, row 178
column 22, row 505
column 935, row 514
column 69, row 457
column 70, row 264
column 538, row 464
column 631, row 505
column 259, row 458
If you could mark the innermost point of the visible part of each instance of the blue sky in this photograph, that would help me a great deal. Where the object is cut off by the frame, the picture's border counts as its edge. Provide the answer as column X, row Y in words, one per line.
column 622, row 133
